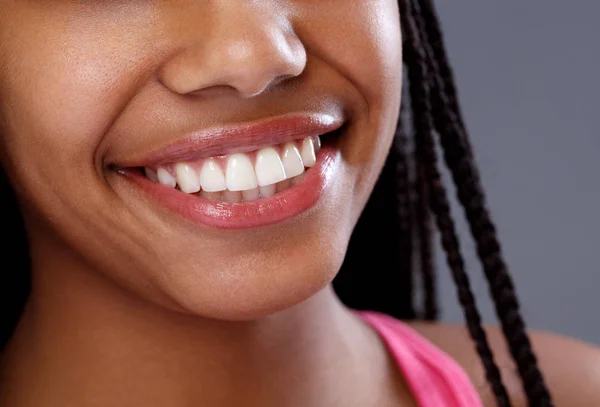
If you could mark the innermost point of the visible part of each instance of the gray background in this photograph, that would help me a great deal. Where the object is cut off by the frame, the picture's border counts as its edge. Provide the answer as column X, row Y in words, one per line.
column 527, row 72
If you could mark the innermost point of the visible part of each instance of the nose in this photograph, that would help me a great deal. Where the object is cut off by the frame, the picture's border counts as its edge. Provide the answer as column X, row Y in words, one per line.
column 240, row 45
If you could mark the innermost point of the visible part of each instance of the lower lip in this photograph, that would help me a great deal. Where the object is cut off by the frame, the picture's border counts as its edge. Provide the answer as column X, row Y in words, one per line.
column 282, row 206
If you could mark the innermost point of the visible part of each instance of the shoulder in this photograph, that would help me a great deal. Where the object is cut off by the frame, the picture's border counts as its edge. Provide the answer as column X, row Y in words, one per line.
column 571, row 367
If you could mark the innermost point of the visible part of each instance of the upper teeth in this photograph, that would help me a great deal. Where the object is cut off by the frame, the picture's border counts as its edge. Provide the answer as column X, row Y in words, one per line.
column 212, row 178
column 245, row 175
column 269, row 167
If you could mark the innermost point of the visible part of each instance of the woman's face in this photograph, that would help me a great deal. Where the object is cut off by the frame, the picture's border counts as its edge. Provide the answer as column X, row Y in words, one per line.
column 93, row 92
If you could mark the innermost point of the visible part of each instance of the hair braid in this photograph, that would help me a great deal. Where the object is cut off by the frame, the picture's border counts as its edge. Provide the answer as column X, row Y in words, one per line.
column 421, row 232
column 459, row 158
column 419, row 75
column 436, row 47
column 399, row 156
column 424, row 235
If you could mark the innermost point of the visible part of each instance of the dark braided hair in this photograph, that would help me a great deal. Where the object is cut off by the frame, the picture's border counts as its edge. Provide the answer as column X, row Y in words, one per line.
column 436, row 112
column 420, row 95
column 381, row 273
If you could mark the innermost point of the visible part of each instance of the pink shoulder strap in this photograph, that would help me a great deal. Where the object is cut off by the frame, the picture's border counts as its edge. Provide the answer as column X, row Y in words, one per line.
column 434, row 378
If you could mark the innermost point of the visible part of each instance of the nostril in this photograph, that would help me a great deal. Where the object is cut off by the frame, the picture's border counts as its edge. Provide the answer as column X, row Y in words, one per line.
column 282, row 78
column 277, row 81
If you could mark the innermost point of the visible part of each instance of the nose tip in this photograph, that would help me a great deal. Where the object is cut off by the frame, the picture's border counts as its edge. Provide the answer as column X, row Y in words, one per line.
column 252, row 68
column 249, row 59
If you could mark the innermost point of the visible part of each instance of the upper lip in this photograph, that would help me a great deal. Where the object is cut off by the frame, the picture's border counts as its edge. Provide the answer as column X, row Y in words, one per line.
column 240, row 137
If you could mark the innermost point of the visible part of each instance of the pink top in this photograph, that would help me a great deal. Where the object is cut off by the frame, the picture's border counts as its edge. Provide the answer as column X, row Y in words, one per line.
column 433, row 377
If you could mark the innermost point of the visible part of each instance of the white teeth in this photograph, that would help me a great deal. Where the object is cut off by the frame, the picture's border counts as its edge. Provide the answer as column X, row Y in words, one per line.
column 292, row 162
column 151, row 174
column 308, row 152
column 251, row 194
column 187, row 178
column 240, row 175
column 268, row 191
column 269, row 168
column 243, row 180
column 165, row 178
column 212, row 178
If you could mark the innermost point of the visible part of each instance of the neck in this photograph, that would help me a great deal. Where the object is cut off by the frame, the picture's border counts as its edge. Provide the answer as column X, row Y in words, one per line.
column 84, row 341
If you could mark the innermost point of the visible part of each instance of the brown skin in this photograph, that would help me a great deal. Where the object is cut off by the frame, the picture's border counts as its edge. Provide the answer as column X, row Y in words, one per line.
column 132, row 306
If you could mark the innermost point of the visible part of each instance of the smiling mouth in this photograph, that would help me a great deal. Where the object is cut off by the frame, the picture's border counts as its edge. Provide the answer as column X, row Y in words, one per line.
column 241, row 177
column 284, row 175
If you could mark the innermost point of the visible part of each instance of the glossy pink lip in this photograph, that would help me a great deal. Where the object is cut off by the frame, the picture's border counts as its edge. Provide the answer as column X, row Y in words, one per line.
column 243, row 137
column 282, row 206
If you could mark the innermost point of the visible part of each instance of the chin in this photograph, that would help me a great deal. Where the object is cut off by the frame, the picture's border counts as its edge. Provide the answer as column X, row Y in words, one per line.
column 255, row 286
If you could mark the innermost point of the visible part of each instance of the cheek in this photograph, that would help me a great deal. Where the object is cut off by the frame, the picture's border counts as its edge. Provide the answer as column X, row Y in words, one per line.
column 365, row 46
column 377, row 66
column 363, row 43
column 62, row 86
column 63, row 83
